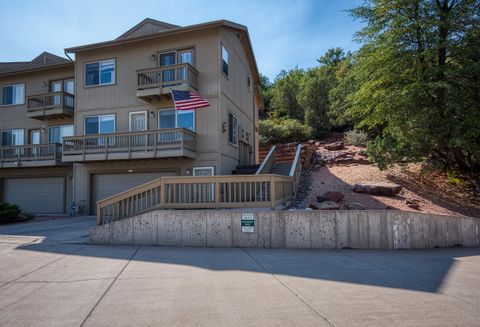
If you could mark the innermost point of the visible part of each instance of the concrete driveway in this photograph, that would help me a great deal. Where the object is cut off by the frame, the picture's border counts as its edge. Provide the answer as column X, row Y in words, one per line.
column 49, row 276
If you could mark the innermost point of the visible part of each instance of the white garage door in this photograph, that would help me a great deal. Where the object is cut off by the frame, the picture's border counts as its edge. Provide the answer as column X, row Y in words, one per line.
column 106, row 185
column 37, row 195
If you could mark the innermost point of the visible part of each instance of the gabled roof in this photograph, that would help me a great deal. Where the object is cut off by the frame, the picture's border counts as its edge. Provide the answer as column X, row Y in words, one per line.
column 44, row 60
column 145, row 27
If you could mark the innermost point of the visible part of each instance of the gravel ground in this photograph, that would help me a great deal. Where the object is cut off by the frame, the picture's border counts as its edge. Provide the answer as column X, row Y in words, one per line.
column 341, row 178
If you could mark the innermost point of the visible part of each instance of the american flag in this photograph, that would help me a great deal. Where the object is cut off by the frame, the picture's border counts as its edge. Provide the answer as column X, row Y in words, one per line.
column 186, row 100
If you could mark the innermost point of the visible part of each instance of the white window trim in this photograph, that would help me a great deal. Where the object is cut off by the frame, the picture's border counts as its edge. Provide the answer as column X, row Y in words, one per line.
column 227, row 61
column 89, row 116
column 176, row 120
column 15, row 104
column 113, row 82
column 211, row 168
column 130, row 119
column 236, row 131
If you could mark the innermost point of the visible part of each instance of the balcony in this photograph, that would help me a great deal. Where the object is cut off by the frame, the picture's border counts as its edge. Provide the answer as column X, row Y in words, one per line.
column 162, row 143
column 50, row 105
column 32, row 155
column 152, row 83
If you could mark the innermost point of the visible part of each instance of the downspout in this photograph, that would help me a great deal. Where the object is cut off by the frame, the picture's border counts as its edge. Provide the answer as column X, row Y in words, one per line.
column 66, row 54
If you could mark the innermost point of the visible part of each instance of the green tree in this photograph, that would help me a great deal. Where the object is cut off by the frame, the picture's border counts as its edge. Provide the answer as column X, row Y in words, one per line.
column 313, row 97
column 284, row 102
column 417, row 77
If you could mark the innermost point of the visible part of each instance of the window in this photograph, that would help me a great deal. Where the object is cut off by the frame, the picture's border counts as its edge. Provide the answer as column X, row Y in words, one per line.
column 57, row 133
column 249, row 83
column 12, row 137
column 232, row 129
column 13, row 94
column 100, row 72
column 175, row 57
column 172, row 118
column 224, row 61
column 100, row 124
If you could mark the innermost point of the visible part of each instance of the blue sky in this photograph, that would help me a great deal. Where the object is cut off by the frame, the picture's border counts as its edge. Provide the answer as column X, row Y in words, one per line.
column 284, row 33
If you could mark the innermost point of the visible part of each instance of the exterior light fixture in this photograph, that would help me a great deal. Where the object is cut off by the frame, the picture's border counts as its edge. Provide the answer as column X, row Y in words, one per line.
column 130, row 170
column 224, row 127
column 187, row 171
column 152, row 114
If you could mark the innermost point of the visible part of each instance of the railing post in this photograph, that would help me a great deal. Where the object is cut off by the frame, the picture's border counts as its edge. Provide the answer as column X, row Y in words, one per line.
column 155, row 136
column 217, row 192
column 162, row 193
column 99, row 215
column 272, row 191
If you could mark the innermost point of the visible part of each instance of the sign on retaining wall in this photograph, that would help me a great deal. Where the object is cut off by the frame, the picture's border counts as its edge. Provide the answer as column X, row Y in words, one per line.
column 248, row 223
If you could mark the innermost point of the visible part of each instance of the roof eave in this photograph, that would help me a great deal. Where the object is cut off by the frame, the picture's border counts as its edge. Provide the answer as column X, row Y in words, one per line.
column 35, row 69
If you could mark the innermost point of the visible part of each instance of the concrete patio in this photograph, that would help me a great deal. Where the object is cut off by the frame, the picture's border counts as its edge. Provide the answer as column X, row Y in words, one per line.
column 50, row 276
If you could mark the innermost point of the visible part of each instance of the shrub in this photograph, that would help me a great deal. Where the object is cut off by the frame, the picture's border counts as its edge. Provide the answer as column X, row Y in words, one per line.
column 356, row 137
column 8, row 212
column 285, row 130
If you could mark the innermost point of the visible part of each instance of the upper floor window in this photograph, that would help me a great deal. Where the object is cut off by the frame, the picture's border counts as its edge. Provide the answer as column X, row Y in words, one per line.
column 224, row 60
column 13, row 137
column 171, row 118
column 100, row 72
column 13, row 94
column 57, row 133
column 232, row 129
column 102, row 124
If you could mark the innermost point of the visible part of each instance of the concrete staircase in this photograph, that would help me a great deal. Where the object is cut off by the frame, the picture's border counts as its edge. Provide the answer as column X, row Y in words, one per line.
column 281, row 168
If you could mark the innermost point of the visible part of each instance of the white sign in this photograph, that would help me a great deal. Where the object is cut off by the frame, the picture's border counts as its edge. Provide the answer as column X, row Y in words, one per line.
column 248, row 223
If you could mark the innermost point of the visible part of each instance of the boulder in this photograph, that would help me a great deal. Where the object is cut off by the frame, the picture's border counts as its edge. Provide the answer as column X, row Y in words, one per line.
column 327, row 205
column 334, row 146
column 354, row 206
column 412, row 204
column 377, row 188
column 330, row 196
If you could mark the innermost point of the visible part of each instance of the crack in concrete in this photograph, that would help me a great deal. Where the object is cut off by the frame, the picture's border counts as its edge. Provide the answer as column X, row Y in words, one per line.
column 63, row 282
column 302, row 299
column 41, row 267
column 109, row 287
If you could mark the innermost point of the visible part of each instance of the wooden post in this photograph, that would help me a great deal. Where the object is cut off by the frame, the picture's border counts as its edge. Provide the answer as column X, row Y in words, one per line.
column 217, row 192
column 272, row 191
column 162, row 194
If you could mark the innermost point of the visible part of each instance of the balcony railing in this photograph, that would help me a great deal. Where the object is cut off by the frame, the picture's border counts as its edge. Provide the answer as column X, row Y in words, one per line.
column 50, row 105
column 160, row 80
column 32, row 155
column 162, row 143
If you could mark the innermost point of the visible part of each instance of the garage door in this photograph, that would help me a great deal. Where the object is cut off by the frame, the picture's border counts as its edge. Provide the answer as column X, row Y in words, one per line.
column 106, row 185
column 37, row 195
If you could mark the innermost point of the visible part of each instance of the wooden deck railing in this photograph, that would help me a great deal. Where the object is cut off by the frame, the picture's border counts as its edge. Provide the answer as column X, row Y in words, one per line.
column 151, row 142
column 268, row 162
column 166, row 76
column 31, row 153
column 43, row 102
column 204, row 192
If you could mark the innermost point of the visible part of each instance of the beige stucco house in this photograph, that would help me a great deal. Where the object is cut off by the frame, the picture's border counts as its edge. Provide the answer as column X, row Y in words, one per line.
column 116, row 119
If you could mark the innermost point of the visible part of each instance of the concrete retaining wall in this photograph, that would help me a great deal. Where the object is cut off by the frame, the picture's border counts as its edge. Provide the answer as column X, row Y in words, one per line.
column 389, row 229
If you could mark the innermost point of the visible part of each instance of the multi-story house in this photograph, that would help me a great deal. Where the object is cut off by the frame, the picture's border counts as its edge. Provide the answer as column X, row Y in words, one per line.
column 37, row 109
column 126, row 130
